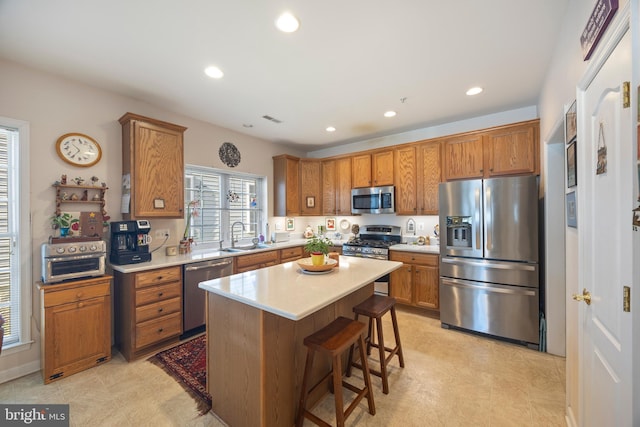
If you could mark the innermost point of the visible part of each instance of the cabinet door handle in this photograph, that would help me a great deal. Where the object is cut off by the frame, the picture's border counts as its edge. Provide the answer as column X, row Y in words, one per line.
column 80, row 304
column 160, row 294
column 161, row 329
column 409, row 270
column 160, row 310
column 79, row 295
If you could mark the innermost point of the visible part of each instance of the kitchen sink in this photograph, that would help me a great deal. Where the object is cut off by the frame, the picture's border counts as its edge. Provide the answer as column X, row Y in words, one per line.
column 245, row 248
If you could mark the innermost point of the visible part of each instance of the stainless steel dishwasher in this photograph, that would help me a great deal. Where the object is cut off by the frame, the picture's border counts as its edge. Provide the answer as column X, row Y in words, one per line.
column 193, row 298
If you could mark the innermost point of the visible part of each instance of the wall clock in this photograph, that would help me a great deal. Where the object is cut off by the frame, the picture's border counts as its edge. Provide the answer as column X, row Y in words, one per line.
column 229, row 154
column 78, row 149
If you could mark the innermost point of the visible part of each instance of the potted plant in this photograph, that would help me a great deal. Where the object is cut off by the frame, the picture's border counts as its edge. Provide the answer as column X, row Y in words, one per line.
column 63, row 222
column 318, row 247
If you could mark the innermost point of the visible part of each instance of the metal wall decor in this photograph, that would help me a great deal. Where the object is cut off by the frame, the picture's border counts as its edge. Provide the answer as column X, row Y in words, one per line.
column 601, row 166
column 229, row 154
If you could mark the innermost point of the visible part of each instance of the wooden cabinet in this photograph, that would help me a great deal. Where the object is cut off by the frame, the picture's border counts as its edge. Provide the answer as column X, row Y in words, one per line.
column 372, row 169
column 416, row 283
column 429, row 176
column 417, row 176
column 508, row 150
column 291, row 254
column 148, row 308
column 405, row 170
column 329, row 187
column 76, row 326
column 255, row 261
column 343, row 186
column 463, row 157
column 286, row 196
column 311, row 188
column 336, row 186
column 513, row 150
column 152, row 167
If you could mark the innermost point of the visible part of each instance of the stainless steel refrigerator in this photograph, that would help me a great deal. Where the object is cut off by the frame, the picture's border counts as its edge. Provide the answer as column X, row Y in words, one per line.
column 489, row 273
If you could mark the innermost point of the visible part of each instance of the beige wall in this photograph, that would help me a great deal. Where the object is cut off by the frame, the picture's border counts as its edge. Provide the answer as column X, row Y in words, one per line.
column 54, row 106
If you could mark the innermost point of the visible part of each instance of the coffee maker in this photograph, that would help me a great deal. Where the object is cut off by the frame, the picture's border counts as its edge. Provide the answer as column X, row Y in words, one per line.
column 130, row 242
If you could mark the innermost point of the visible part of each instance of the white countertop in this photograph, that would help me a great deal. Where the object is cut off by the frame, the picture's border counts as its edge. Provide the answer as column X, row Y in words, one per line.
column 285, row 291
column 159, row 259
column 429, row 249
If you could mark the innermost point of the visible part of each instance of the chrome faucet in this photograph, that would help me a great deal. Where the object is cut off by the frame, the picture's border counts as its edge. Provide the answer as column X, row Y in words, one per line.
column 233, row 239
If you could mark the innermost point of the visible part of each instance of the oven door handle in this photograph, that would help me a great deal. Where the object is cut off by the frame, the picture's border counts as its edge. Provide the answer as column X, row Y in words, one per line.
column 73, row 257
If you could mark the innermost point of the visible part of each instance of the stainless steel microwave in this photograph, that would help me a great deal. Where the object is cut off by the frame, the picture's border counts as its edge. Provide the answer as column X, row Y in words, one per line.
column 373, row 200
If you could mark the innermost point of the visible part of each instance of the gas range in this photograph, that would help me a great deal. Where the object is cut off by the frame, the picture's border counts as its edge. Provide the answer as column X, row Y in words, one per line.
column 373, row 242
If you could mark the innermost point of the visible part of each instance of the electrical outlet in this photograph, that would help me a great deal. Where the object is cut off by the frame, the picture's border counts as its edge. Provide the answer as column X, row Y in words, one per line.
column 162, row 233
column 420, row 226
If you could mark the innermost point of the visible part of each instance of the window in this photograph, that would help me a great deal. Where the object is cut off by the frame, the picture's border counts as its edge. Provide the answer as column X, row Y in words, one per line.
column 15, row 268
column 223, row 199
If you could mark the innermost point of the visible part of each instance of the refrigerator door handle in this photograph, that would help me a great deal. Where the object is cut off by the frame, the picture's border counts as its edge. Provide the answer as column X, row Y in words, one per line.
column 474, row 285
column 477, row 224
column 487, row 264
column 488, row 221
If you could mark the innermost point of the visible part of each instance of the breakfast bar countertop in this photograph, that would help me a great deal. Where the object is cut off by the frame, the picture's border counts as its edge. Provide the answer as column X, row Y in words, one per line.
column 286, row 291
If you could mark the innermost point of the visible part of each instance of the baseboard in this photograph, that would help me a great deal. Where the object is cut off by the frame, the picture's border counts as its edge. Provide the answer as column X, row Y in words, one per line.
column 19, row 371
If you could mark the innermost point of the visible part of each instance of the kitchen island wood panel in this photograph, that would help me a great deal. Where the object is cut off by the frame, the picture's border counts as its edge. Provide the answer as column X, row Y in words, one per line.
column 256, row 324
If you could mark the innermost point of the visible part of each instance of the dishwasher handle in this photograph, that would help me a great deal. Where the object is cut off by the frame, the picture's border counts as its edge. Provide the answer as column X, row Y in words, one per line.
column 206, row 265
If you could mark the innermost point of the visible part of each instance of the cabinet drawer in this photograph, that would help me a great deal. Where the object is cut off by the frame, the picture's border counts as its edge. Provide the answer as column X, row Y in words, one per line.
column 414, row 258
column 158, row 293
column 155, row 277
column 80, row 293
column 162, row 308
column 156, row 330
column 287, row 253
column 257, row 259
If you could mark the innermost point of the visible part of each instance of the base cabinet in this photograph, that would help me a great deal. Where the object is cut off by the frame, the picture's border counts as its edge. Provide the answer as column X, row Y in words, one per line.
column 255, row 261
column 416, row 283
column 148, row 308
column 76, row 326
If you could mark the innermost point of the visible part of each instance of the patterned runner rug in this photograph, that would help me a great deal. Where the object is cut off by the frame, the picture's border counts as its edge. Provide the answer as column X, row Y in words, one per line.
column 187, row 363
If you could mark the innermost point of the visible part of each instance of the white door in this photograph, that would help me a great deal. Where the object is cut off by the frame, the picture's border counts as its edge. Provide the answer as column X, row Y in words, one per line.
column 605, row 202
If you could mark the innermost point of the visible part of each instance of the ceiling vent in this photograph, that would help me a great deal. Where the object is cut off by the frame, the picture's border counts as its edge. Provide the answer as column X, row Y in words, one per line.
column 273, row 119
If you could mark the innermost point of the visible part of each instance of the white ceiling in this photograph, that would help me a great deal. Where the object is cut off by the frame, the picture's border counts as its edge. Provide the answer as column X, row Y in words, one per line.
column 349, row 62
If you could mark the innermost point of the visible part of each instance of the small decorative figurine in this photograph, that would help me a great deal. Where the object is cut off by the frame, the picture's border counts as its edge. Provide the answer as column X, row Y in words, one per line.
column 74, row 196
column 78, row 180
column 96, row 198
column 85, row 195
column 63, row 180
column 65, row 196
column 94, row 180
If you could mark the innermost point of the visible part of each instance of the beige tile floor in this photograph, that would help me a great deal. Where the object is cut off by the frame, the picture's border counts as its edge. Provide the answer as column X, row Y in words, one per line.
column 451, row 378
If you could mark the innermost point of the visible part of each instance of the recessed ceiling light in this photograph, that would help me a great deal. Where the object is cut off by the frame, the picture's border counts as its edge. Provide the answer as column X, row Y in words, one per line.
column 390, row 114
column 287, row 23
column 214, row 72
column 474, row 91
column 331, row 129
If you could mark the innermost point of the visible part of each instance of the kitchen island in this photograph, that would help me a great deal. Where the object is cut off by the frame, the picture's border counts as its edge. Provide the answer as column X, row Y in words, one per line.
column 256, row 323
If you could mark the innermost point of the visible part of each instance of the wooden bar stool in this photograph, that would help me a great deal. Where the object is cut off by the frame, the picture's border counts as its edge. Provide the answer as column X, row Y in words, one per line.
column 375, row 307
column 333, row 340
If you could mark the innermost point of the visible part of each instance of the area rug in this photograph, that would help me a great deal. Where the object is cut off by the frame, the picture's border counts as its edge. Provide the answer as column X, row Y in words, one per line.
column 187, row 363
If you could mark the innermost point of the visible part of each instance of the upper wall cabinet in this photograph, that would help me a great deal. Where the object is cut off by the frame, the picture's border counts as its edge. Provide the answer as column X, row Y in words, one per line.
column 286, row 192
column 406, row 178
column 311, row 187
column 463, row 157
column 508, row 150
column 372, row 169
column 417, row 176
column 336, row 186
column 152, row 167
column 513, row 150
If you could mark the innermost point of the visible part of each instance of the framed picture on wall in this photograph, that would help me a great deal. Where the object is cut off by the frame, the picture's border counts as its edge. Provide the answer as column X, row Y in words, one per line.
column 290, row 225
column 571, row 165
column 570, row 124
column 572, row 210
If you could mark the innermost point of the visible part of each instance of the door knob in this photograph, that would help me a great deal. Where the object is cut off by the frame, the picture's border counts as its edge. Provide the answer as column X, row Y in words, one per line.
column 586, row 296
